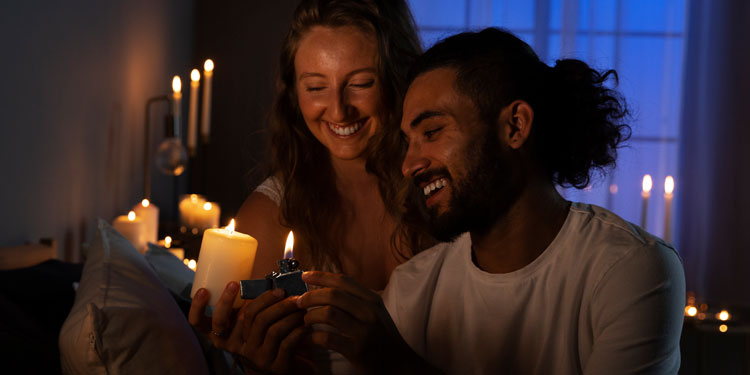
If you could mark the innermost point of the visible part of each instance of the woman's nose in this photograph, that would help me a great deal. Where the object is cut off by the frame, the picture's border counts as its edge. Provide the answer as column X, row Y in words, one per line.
column 339, row 108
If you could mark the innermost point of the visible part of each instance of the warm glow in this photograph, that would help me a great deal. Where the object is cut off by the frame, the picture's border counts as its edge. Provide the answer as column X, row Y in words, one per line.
column 230, row 227
column 194, row 197
column 167, row 242
column 176, row 84
column 207, row 206
column 723, row 315
column 208, row 65
column 131, row 215
column 288, row 253
column 691, row 310
column 186, row 261
column 195, row 76
column 669, row 185
column 145, row 203
column 647, row 183
column 723, row 328
column 192, row 264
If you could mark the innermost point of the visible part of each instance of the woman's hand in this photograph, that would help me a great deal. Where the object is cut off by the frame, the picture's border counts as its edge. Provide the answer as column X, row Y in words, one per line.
column 366, row 335
column 264, row 331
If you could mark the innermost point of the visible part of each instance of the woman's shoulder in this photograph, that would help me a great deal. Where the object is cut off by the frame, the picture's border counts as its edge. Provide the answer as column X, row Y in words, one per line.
column 271, row 188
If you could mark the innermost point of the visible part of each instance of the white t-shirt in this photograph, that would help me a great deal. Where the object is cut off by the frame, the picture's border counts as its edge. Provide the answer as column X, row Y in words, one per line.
column 605, row 297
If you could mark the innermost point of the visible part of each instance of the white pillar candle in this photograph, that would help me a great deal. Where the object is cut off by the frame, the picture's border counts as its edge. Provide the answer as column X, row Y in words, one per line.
column 176, row 251
column 647, row 184
column 132, row 228
column 177, row 104
column 195, row 77
column 225, row 256
column 668, row 195
column 208, row 73
column 150, row 215
column 190, row 206
column 207, row 216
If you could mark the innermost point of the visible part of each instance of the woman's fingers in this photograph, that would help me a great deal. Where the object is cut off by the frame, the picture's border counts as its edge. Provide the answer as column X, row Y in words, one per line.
column 336, row 342
column 287, row 348
column 339, row 281
column 257, row 318
column 354, row 305
column 222, row 316
column 336, row 318
column 197, row 316
column 278, row 331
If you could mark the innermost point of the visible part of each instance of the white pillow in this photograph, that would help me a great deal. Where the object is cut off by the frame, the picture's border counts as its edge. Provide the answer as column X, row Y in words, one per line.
column 123, row 319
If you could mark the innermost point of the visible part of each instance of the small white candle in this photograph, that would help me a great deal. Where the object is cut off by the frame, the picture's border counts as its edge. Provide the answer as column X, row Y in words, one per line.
column 190, row 206
column 208, row 73
column 176, row 251
column 225, row 255
column 668, row 195
column 647, row 184
column 195, row 77
column 132, row 228
column 207, row 216
column 150, row 215
column 177, row 104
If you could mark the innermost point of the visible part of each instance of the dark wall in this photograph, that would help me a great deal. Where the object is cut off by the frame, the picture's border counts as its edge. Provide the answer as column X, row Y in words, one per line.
column 76, row 76
column 243, row 38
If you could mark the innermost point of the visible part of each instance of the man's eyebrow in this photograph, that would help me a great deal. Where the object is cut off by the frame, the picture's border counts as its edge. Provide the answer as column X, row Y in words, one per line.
column 424, row 116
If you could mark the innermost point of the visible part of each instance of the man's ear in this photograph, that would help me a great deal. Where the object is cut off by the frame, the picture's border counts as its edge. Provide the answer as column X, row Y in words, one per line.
column 515, row 123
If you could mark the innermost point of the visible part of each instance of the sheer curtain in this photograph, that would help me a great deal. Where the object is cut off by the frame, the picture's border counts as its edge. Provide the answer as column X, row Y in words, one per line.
column 715, row 235
column 642, row 39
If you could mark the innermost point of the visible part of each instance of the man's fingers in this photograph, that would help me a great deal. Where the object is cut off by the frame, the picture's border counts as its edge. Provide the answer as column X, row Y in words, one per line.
column 287, row 348
column 220, row 322
column 332, row 316
column 278, row 331
column 338, row 281
column 263, row 312
column 197, row 315
column 353, row 305
column 335, row 342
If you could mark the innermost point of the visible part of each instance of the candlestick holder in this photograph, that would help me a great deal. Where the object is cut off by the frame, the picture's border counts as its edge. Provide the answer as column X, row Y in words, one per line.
column 288, row 278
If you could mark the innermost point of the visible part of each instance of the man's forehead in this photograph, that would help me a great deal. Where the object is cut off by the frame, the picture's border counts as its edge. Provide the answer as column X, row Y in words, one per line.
column 431, row 91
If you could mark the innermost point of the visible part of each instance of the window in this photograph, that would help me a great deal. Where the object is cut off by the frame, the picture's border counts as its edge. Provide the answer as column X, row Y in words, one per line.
column 642, row 39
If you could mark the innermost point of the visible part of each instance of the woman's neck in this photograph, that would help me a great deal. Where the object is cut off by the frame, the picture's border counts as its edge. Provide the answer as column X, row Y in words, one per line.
column 352, row 174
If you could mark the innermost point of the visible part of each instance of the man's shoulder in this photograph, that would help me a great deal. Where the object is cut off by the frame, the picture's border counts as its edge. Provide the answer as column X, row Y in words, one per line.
column 434, row 257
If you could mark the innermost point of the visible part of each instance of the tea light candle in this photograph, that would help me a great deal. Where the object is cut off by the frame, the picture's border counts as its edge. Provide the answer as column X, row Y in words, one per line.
column 132, row 228
column 225, row 255
column 150, row 215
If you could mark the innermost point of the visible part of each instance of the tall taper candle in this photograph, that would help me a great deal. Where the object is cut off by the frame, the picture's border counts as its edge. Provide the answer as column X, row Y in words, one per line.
column 646, row 193
column 195, row 77
column 208, row 73
column 177, row 104
column 668, row 195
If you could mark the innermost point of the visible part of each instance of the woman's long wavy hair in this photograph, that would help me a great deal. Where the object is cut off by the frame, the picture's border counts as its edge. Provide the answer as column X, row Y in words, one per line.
column 310, row 203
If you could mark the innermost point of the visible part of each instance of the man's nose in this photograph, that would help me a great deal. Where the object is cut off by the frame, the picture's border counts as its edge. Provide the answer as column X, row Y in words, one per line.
column 414, row 162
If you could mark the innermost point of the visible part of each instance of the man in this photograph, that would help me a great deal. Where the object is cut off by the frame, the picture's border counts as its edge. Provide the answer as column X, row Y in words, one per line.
column 537, row 284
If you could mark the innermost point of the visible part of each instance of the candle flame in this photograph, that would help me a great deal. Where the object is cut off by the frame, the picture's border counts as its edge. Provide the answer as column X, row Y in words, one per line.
column 176, row 84
column 195, row 76
column 723, row 328
column 167, row 242
column 192, row 264
column 723, row 315
column 145, row 203
column 208, row 65
column 288, row 253
column 691, row 311
column 131, row 215
column 186, row 261
column 207, row 206
column 669, row 185
column 647, row 183
column 230, row 227
column 194, row 197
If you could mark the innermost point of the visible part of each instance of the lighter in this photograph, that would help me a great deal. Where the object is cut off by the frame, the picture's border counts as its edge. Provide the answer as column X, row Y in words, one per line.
column 289, row 278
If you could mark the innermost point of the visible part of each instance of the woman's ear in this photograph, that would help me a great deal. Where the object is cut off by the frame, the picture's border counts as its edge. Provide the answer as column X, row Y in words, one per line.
column 515, row 123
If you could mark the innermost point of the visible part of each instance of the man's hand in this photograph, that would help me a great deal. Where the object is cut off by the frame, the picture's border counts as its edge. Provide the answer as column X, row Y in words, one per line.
column 366, row 335
column 264, row 332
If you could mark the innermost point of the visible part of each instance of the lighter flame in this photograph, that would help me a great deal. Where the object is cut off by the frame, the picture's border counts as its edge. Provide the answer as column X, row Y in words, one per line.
column 691, row 310
column 207, row 206
column 723, row 328
column 131, row 215
column 230, row 227
column 192, row 264
column 647, row 183
column 288, row 253
column 167, row 242
column 145, row 203
column 176, row 84
column 724, row 315
column 669, row 185
column 208, row 65
column 195, row 76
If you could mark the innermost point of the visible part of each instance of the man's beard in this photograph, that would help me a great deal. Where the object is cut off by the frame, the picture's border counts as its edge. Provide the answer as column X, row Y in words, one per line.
column 492, row 184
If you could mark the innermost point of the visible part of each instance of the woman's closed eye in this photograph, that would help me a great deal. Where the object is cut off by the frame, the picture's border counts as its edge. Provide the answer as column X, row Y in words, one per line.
column 362, row 84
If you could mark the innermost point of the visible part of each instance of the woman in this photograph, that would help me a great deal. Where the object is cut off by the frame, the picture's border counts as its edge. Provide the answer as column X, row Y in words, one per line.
column 335, row 166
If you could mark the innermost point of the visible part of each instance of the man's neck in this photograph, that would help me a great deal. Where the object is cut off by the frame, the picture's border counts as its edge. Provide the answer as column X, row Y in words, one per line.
column 520, row 236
